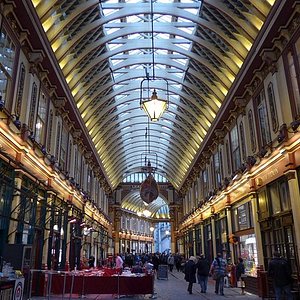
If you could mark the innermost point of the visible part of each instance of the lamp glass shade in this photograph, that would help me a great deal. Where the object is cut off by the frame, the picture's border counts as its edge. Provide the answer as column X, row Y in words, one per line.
column 147, row 213
column 154, row 107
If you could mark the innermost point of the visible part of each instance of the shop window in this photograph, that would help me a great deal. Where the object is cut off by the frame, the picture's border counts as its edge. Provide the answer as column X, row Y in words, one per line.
column 263, row 210
column 7, row 61
column 248, row 251
column 252, row 132
column 279, row 196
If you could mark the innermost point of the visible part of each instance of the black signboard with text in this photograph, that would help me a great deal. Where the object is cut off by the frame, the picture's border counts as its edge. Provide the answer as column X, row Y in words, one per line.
column 162, row 272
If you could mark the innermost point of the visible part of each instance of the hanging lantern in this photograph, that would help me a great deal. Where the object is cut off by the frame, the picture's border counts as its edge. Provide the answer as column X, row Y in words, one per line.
column 149, row 189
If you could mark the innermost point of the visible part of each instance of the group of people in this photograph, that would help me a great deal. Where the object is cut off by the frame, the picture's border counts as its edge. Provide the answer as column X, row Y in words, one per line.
column 203, row 269
column 279, row 270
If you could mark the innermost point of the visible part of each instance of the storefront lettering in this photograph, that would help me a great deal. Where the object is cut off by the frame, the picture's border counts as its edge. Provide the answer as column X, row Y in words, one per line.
column 270, row 175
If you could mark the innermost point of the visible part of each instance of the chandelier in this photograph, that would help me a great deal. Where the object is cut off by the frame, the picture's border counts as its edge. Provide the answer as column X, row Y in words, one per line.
column 154, row 92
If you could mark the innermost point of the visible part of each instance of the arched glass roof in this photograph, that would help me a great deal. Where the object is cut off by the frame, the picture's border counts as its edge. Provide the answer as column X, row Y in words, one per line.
column 104, row 51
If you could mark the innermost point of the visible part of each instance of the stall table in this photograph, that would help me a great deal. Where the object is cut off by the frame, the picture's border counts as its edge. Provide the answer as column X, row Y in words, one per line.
column 83, row 284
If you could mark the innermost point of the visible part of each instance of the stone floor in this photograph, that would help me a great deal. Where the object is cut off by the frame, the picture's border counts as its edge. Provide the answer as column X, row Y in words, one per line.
column 174, row 288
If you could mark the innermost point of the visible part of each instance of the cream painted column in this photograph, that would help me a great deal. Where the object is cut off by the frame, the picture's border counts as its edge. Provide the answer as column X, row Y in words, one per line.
column 47, row 232
column 202, row 238
column 295, row 203
column 15, row 209
column 117, row 221
column 229, row 226
column 194, row 242
column 172, row 211
column 257, row 231
column 213, row 235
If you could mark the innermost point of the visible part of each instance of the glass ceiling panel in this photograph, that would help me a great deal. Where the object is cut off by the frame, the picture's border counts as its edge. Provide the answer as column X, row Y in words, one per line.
column 133, row 59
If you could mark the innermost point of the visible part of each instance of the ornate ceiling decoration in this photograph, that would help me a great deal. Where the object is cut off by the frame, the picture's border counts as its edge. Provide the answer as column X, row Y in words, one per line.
column 104, row 51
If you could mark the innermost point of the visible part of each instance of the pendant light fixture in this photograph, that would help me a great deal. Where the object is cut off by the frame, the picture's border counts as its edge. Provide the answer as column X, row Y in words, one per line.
column 158, row 88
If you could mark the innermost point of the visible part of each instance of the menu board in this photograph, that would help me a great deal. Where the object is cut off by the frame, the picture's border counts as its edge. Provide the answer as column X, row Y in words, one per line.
column 162, row 272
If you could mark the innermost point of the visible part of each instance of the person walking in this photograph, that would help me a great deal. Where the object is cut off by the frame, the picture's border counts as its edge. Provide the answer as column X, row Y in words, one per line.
column 218, row 271
column 281, row 273
column 202, row 272
column 190, row 273
column 171, row 262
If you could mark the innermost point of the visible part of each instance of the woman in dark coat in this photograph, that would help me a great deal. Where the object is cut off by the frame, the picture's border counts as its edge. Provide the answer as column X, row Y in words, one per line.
column 240, row 269
column 190, row 273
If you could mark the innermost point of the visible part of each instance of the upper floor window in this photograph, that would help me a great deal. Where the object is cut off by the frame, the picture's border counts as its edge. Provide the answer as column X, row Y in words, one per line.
column 205, row 182
column 292, row 66
column 273, row 109
column 7, row 60
column 50, row 131
column 263, row 118
column 63, row 149
column 40, row 125
column 252, row 132
column 20, row 90
column 243, row 142
column 32, row 106
column 217, row 169
column 235, row 148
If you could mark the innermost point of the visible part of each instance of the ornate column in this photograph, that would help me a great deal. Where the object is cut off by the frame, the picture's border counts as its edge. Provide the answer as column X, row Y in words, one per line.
column 295, row 203
column 213, row 234
column 15, row 208
column 194, row 242
column 173, row 227
column 202, row 237
column 229, row 226
column 117, row 227
column 257, row 231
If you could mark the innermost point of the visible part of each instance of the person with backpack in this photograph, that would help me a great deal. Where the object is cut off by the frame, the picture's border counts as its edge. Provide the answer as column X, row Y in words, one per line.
column 281, row 273
column 218, row 272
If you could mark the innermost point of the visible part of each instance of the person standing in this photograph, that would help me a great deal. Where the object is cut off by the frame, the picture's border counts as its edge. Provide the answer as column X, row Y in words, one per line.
column 240, row 269
column 119, row 261
column 190, row 273
column 202, row 272
column 281, row 273
column 171, row 262
column 218, row 271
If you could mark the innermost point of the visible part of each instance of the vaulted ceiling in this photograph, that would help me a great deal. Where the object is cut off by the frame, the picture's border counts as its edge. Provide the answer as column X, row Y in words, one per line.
column 104, row 50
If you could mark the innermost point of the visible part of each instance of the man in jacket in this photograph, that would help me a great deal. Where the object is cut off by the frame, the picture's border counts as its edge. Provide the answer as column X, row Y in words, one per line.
column 218, row 271
column 202, row 272
column 280, row 270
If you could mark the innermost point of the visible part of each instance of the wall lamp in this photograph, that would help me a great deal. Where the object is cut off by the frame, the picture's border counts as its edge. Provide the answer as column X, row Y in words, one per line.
column 283, row 133
column 294, row 125
column 15, row 119
column 2, row 103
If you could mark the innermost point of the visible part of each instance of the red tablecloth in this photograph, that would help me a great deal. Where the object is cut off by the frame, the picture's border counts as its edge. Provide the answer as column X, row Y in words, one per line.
column 84, row 284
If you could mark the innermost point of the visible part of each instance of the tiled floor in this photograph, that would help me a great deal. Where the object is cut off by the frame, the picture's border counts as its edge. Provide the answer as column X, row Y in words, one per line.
column 175, row 288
